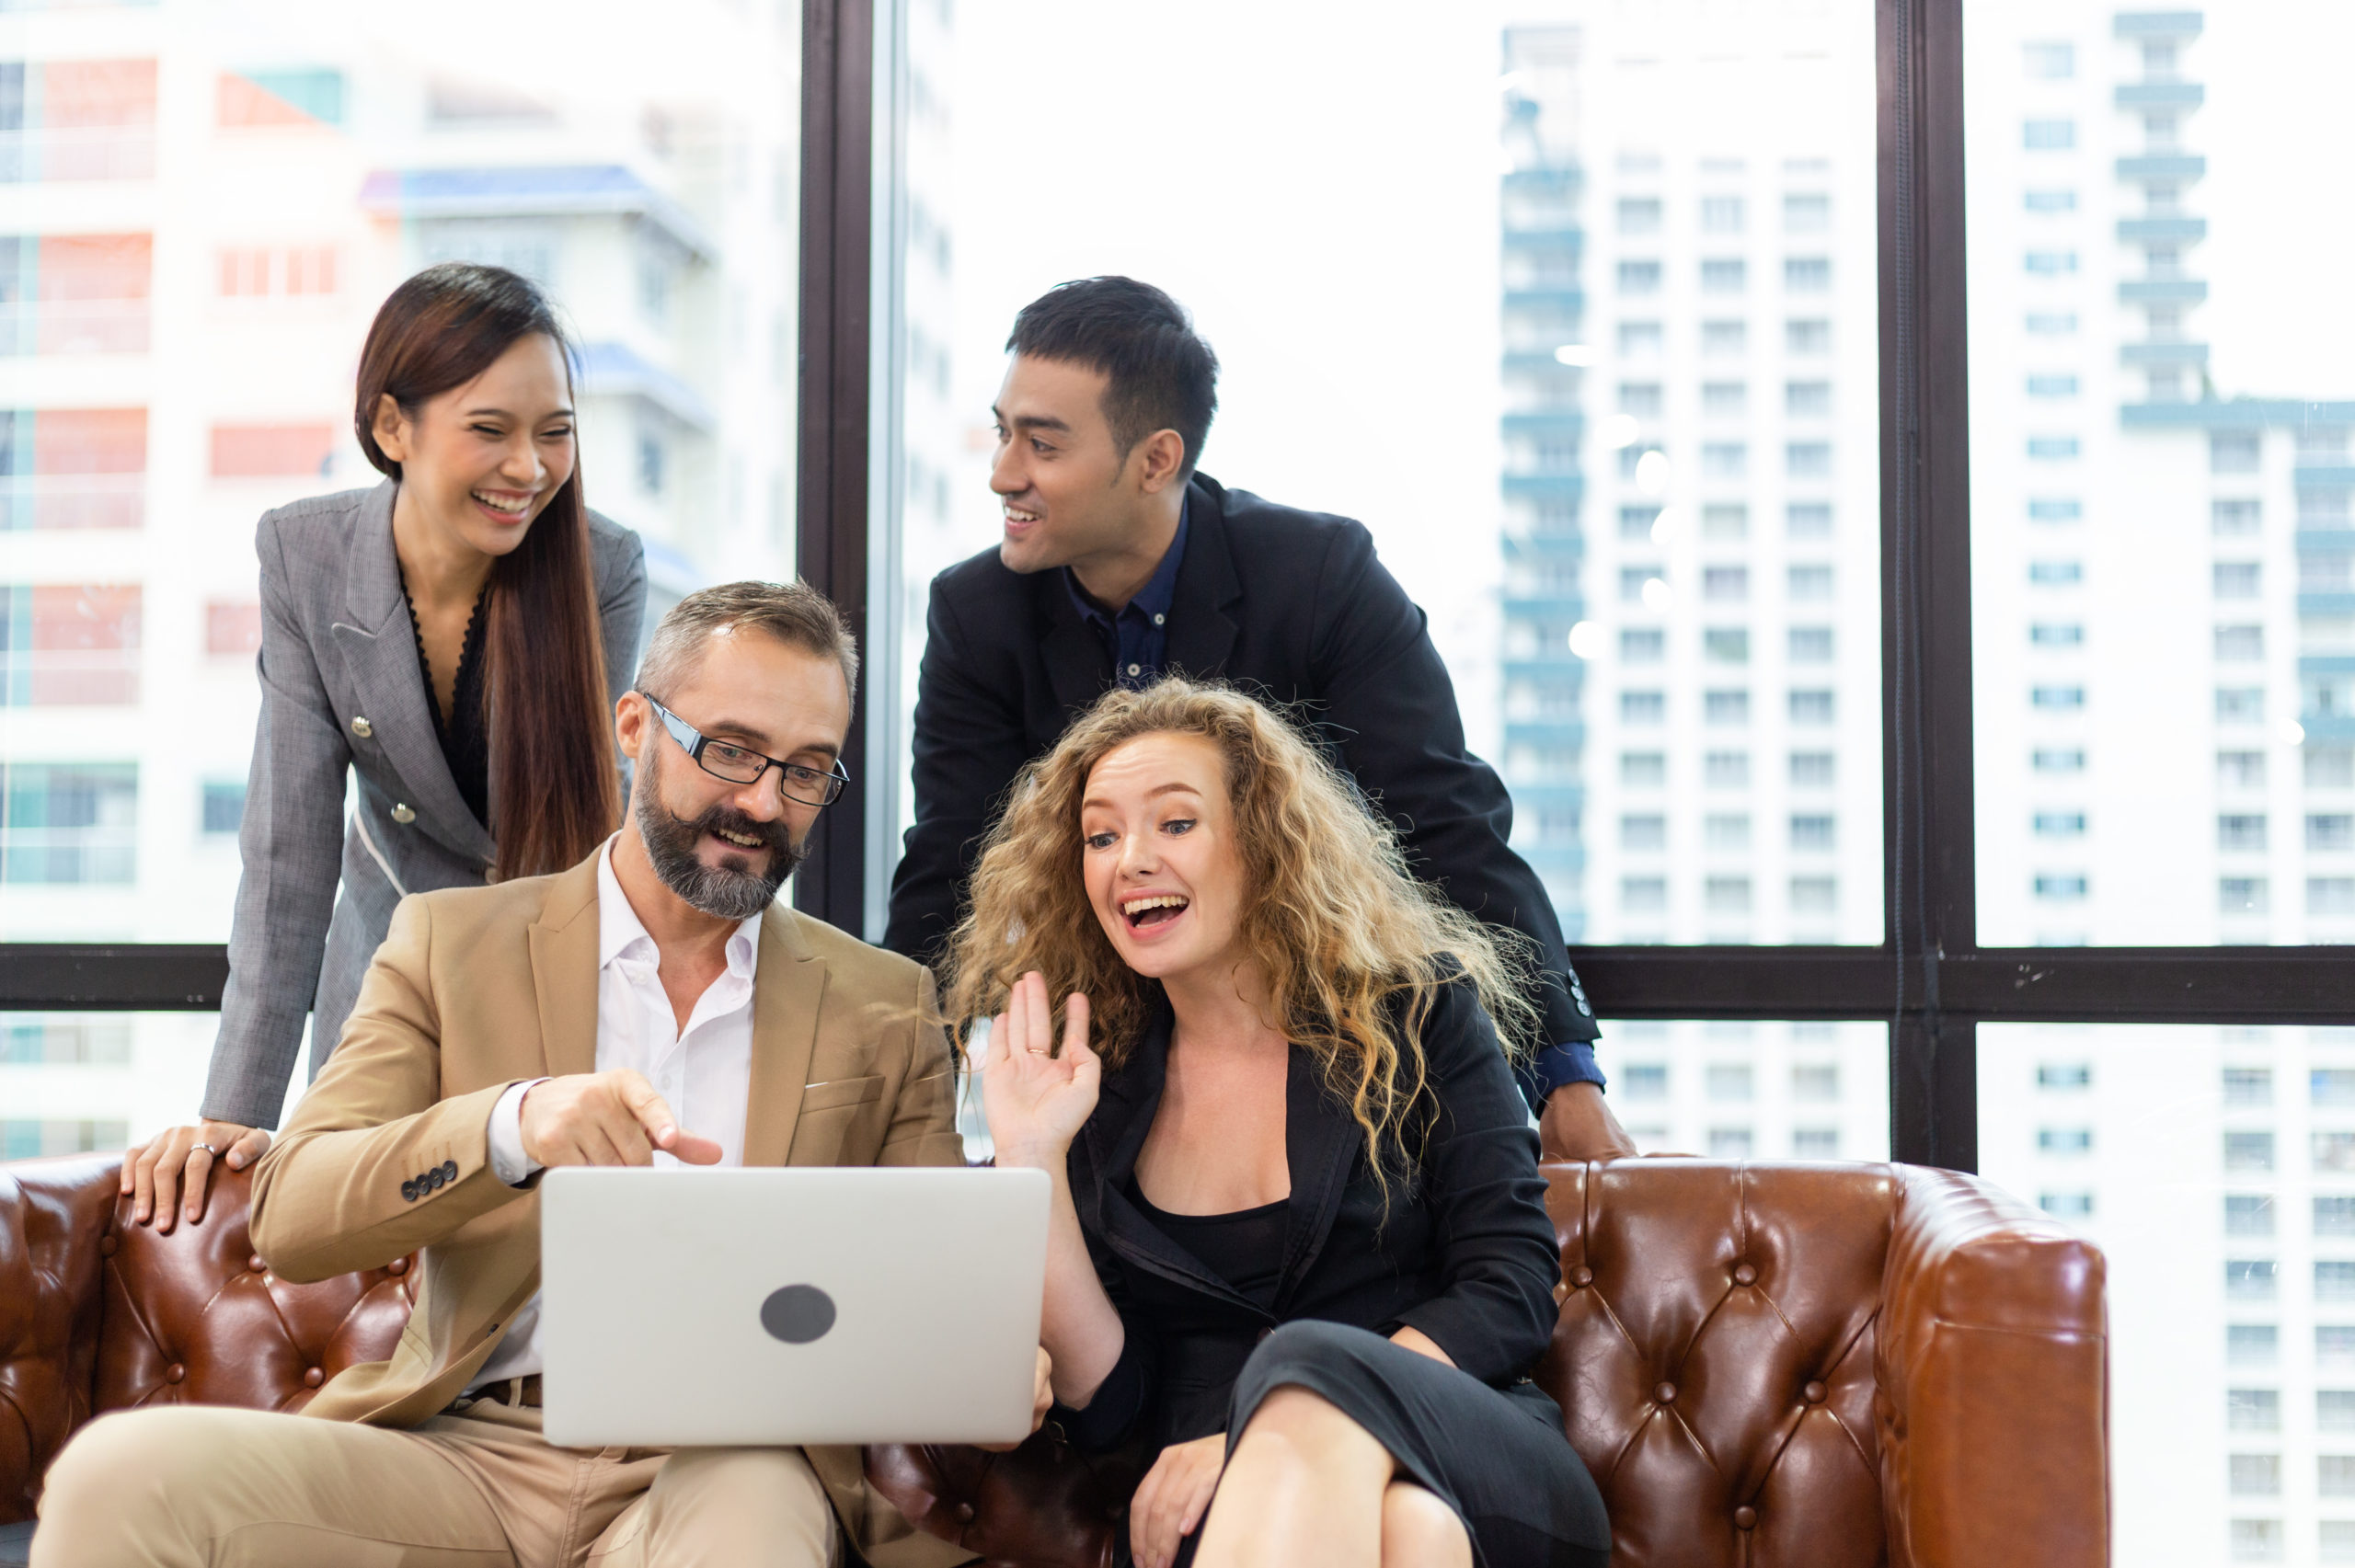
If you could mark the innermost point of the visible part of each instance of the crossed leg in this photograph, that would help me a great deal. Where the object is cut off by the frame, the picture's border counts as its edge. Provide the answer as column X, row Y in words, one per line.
column 1308, row 1487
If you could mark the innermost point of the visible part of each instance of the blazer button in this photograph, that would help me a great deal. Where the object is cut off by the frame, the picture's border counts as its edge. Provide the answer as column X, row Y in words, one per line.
column 408, row 1191
column 450, row 1170
column 362, row 727
column 402, row 814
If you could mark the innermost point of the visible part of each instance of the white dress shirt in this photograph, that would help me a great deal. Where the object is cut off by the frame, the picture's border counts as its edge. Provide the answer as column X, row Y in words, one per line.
column 703, row 1072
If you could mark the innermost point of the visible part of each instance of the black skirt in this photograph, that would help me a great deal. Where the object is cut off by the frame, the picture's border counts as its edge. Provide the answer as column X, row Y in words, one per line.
column 1498, row 1458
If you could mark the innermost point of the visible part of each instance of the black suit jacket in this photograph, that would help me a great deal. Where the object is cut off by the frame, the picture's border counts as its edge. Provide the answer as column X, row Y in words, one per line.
column 1292, row 606
column 1460, row 1247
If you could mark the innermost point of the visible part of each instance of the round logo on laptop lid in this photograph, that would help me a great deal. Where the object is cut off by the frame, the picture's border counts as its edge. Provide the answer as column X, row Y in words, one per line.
column 797, row 1313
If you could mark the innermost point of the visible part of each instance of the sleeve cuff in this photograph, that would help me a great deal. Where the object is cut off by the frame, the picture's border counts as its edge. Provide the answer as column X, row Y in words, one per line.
column 508, row 1160
column 1570, row 1062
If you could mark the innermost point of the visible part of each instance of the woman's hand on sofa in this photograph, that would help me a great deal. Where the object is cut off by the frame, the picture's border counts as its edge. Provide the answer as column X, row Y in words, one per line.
column 1171, row 1500
column 171, row 1174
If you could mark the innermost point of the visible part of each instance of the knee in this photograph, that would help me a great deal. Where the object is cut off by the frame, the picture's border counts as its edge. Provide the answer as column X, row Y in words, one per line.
column 739, row 1505
column 1421, row 1531
column 115, row 1480
column 1304, row 1343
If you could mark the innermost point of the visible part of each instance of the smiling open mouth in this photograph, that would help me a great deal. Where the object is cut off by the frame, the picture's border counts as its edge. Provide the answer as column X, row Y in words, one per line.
column 741, row 841
column 1158, row 909
column 506, row 503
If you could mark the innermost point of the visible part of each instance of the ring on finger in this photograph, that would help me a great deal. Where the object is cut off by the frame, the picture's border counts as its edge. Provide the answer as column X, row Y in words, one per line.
column 207, row 1148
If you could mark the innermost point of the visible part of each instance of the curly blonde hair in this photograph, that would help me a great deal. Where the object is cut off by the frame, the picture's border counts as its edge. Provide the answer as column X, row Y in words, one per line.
column 1353, row 947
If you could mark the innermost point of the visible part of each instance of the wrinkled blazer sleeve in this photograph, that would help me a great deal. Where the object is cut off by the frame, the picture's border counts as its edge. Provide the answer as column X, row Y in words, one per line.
column 923, row 1118
column 328, row 1197
column 1488, row 1202
column 1389, row 703
column 621, row 608
column 292, row 842
column 966, row 747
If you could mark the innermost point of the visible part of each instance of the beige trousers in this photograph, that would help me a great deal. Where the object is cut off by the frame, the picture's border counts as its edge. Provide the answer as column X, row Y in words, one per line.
column 192, row 1486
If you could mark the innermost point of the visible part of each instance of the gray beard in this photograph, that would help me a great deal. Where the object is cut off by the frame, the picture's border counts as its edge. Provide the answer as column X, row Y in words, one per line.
column 724, row 892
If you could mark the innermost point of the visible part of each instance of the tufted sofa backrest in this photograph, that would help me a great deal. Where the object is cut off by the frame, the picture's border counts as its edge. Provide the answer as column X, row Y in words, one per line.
column 1742, row 1350
column 99, row 1314
column 1762, row 1364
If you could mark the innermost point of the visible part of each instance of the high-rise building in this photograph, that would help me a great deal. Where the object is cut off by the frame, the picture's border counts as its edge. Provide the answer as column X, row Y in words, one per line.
column 2164, row 632
column 1690, row 630
column 200, row 208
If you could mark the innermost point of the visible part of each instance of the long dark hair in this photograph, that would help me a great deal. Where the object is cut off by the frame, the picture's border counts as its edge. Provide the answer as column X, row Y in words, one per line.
column 553, row 791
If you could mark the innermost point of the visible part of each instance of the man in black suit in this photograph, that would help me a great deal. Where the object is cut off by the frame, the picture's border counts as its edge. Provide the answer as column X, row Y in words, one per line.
column 1119, row 562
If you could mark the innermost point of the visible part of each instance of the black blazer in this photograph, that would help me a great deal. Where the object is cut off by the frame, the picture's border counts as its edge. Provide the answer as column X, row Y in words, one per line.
column 1464, row 1252
column 1290, row 604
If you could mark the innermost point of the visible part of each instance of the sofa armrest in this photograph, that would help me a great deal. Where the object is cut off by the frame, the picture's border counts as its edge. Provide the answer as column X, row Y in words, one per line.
column 1046, row 1505
column 1992, row 1371
column 55, row 1217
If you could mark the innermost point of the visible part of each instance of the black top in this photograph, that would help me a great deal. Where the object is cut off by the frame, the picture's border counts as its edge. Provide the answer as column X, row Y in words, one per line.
column 465, row 734
column 1244, row 1248
column 1464, row 1251
column 1292, row 604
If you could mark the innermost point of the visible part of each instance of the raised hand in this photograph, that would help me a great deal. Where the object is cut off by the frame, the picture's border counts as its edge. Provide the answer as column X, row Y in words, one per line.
column 1037, row 1098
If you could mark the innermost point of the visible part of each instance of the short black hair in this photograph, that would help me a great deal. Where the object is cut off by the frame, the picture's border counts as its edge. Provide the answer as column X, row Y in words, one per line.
column 1159, row 373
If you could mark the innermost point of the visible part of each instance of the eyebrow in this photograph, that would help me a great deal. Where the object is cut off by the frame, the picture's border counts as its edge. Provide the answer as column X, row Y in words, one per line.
column 1030, row 422
column 503, row 414
column 1154, row 792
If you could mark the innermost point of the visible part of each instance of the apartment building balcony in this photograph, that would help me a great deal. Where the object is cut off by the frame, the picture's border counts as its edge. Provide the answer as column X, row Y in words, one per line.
column 2323, row 477
column 2162, row 290
column 2161, row 95
column 2336, row 603
column 2177, row 25
column 2162, row 231
column 2163, row 352
column 1567, row 487
column 55, row 155
column 2172, row 168
column 71, row 501
column 74, row 326
column 60, row 678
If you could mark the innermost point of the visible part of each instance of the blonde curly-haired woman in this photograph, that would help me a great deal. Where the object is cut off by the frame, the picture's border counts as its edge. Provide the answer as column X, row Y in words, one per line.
column 1300, row 1254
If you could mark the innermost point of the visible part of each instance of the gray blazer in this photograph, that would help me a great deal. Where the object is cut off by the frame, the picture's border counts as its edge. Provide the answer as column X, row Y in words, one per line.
column 340, row 689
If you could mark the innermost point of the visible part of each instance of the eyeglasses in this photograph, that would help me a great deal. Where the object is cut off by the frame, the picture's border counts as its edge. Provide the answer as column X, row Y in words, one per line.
column 738, row 764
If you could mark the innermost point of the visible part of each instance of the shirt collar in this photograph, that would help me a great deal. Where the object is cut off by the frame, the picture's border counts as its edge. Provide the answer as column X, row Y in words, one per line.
column 1159, row 593
column 619, row 931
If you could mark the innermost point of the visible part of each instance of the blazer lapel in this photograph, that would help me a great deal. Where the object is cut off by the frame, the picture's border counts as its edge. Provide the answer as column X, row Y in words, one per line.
column 1078, row 666
column 1321, row 1141
column 788, row 984
column 564, row 969
column 379, row 647
column 1201, row 632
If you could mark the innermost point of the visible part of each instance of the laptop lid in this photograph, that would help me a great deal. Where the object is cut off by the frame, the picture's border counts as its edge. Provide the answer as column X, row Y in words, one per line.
column 765, row 1306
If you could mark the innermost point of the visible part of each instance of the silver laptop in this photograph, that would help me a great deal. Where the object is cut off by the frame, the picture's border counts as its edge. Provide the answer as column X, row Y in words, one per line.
column 700, row 1308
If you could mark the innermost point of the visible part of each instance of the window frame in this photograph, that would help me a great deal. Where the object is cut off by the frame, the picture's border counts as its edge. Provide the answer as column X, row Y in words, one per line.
column 1929, row 981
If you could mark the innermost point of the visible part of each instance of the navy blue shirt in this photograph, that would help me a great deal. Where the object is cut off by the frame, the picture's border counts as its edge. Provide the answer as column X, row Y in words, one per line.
column 1137, row 637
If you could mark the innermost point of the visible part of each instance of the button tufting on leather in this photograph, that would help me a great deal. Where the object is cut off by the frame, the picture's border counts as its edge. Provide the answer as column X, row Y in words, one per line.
column 1745, row 1516
column 964, row 1513
column 1665, row 1393
column 1745, row 1274
column 175, row 1373
column 1581, row 1276
column 1813, row 1393
column 312, row 1377
column 106, row 1244
column 397, row 1266
column 255, row 1263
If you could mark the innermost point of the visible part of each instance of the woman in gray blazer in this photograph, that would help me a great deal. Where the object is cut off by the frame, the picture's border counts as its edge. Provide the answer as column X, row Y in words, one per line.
column 455, row 638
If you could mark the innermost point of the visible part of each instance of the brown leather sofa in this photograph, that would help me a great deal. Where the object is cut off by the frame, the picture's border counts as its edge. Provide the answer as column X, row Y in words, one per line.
column 1762, row 1364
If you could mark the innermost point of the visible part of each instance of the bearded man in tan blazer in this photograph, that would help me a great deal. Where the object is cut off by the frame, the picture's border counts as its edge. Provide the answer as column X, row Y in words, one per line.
column 651, row 1004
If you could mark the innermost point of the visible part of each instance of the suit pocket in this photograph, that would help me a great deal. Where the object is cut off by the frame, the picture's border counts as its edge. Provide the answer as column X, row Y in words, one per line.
column 841, row 1092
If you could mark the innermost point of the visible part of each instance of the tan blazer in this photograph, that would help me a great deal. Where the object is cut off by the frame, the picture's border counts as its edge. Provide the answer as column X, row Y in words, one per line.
column 476, row 987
